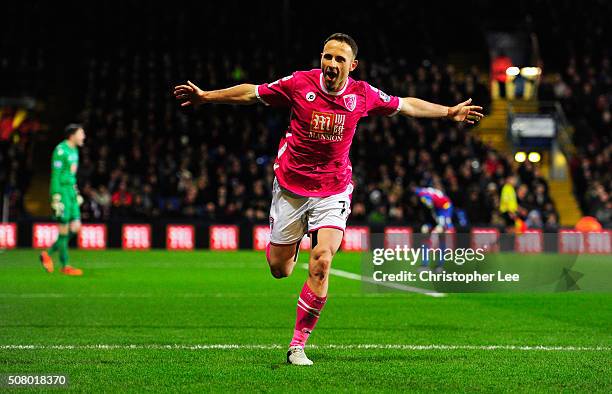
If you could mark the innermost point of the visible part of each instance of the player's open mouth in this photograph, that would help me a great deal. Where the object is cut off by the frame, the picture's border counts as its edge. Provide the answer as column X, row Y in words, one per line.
column 330, row 74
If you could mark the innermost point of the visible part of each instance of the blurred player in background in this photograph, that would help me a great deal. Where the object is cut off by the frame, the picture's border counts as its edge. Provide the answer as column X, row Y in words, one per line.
column 440, row 205
column 441, row 209
column 65, row 198
column 312, row 189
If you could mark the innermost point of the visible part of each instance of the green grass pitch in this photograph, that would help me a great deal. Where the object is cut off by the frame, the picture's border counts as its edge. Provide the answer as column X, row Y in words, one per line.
column 132, row 304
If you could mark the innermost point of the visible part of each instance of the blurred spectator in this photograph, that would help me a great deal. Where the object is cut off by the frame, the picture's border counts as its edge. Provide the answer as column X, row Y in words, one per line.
column 499, row 65
column 122, row 200
column 508, row 206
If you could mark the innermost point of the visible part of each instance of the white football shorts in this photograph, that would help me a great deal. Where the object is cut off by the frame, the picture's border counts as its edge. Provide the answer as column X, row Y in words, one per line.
column 292, row 216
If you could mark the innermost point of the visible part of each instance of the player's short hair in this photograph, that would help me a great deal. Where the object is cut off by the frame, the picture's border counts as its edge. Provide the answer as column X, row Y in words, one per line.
column 343, row 38
column 71, row 129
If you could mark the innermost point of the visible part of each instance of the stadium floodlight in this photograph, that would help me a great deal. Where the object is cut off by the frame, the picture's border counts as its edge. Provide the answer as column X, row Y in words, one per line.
column 512, row 71
column 531, row 72
column 534, row 157
column 520, row 157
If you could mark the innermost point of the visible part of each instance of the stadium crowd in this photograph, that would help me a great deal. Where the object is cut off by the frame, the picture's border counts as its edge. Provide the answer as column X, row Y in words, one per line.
column 585, row 91
column 146, row 157
column 583, row 86
column 18, row 129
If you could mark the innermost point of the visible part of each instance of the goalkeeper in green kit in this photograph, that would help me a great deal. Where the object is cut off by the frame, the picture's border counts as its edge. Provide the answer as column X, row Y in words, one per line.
column 65, row 198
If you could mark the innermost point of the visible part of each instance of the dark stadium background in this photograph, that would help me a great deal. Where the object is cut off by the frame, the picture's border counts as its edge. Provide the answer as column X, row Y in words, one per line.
column 112, row 66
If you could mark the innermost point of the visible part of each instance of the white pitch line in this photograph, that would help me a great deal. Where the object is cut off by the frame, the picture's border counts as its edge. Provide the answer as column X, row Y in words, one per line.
column 221, row 346
column 180, row 295
column 137, row 295
column 391, row 285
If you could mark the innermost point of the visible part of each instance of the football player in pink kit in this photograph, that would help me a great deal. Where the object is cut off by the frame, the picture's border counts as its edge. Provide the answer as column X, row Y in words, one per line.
column 312, row 189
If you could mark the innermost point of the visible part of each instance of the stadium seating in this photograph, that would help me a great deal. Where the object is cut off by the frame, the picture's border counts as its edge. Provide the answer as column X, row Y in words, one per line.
column 145, row 157
column 580, row 78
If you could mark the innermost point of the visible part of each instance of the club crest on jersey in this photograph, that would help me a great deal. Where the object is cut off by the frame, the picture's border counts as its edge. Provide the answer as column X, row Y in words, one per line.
column 383, row 96
column 311, row 96
column 350, row 101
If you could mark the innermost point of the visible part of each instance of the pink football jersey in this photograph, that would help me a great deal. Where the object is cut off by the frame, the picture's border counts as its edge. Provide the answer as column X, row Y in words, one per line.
column 313, row 156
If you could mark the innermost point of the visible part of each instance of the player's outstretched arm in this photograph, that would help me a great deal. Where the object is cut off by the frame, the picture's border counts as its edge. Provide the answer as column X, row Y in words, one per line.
column 462, row 112
column 190, row 94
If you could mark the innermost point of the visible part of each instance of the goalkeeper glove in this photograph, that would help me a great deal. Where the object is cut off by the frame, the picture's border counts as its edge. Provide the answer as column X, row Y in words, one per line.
column 79, row 198
column 57, row 205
